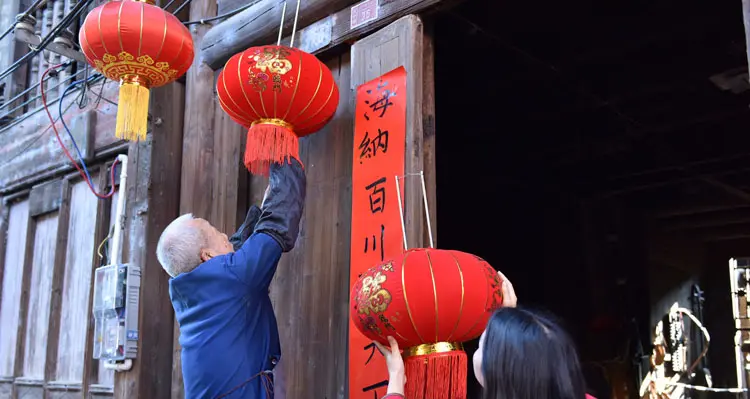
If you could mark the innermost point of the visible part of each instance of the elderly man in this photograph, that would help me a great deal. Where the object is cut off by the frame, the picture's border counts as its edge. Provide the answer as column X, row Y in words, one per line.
column 219, row 290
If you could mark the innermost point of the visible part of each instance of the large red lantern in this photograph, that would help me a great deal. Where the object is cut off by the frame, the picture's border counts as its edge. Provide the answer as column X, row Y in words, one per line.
column 278, row 93
column 430, row 301
column 140, row 46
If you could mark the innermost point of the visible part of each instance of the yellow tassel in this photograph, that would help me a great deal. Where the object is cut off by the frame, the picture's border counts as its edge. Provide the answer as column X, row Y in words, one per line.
column 132, row 112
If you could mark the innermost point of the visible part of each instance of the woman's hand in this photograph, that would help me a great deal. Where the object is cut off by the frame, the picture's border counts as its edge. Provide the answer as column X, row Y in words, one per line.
column 395, row 363
column 509, row 294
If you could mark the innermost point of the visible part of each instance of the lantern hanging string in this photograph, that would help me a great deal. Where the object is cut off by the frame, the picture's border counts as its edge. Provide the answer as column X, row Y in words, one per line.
column 294, row 27
column 281, row 25
column 426, row 207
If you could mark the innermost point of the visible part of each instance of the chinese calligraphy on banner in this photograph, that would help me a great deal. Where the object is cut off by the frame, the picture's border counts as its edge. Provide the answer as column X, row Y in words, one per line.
column 379, row 151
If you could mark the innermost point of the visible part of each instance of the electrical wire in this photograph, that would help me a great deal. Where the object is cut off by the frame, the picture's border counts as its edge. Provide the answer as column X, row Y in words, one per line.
column 65, row 149
column 66, row 21
column 65, row 125
column 218, row 17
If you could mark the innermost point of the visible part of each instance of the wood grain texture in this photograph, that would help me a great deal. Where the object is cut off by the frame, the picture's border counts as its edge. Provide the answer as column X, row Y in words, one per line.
column 310, row 289
column 40, row 296
column 400, row 44
column 58, row 274
column 106, row 377
column 259, row 25
column 153, row 202
column 10, row 302
column 428, row 126
column 46, row 197
column 75, row 317
column 29, row 150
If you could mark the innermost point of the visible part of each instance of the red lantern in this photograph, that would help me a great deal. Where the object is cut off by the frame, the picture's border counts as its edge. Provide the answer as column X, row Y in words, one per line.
column 279, row 93
column 430, row 301
column 141, row 46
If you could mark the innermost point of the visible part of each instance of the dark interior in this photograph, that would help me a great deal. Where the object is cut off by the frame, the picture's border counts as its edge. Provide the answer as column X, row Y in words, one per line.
column 595, row 152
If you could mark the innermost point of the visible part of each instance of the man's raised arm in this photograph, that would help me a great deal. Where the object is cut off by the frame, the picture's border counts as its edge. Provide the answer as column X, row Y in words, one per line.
column 277, row 228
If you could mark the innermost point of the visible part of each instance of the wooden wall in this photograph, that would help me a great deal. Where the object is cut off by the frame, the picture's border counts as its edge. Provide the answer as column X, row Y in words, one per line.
column 50, row 234
column 310, row 291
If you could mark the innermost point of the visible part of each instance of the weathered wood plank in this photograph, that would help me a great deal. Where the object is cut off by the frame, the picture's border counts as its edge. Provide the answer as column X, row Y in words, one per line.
column 428, row 127
column 105, row 378
column 28, row 261
column 46, row 198
column 56, row 286
column 258, row 25
column 310, row 289
column 40, row 296
column 91, row 367
column 10, row 301
column 153, row 201
column 316, row 37
column 74, row 323
column 30, row 149
column 199, row 160
column 400, row 44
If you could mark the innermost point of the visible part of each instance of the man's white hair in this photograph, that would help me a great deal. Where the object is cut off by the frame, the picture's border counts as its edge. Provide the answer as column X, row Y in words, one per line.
column 179, row 247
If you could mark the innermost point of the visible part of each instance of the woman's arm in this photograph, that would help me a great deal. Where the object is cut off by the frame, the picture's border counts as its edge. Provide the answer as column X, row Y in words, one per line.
column 395, row 363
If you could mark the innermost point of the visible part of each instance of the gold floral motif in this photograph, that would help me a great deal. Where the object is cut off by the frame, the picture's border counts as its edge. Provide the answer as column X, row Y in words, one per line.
column 372, row 297
column 125, row 56
column 145, row 59
column 273, row 60
column 125, row 64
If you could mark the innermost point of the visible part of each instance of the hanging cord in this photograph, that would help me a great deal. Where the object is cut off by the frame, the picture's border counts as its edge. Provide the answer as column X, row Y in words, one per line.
column 65, row 125
column 65, row 150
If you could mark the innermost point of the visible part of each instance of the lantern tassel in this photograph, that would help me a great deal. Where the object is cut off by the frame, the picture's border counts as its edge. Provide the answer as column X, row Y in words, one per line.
column 269, row 143
column 436, row 375
column 132, row 112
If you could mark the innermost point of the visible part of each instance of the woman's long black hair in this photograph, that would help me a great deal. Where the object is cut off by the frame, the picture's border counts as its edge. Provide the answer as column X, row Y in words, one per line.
column 526, row 355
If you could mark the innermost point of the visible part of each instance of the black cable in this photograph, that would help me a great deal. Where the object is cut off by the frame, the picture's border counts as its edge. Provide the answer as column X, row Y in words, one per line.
column 222, row 16
column 168, row 5
column 177, row 11
column 21, row 16
column 66, row 21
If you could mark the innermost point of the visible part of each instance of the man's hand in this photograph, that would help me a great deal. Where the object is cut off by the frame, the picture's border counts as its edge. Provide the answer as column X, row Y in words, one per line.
column 509, row 294
column 395, row 363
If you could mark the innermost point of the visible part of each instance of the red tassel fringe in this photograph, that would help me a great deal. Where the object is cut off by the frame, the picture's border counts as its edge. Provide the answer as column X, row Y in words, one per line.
column 436, row 376
column 267, row 143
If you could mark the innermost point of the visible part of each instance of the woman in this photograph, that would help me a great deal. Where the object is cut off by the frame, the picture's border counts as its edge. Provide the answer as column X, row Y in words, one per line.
column 522, row 355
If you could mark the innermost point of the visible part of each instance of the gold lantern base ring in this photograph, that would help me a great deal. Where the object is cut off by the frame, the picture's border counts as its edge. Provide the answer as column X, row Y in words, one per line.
column 431, row 349
column 132, row 111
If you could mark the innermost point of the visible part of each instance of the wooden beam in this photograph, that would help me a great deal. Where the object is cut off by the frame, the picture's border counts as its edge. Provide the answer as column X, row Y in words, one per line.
column 428, row 125
column 153, row 202
column 324, row 28
column 30, row 150
column 712, row 219
column 400, row 44
column 259, row 25
column 746, row 19
column 90, row 366
column 58, row 274
column 28, row 262
column 46, row 198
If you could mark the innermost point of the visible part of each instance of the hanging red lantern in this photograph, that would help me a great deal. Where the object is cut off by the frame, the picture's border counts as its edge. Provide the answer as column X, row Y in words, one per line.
column 140, row 46
column 279, row 94
column 430, row 301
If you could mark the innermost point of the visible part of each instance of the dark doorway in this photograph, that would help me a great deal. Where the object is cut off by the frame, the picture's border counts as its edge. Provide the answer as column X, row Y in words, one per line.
column 596, row 153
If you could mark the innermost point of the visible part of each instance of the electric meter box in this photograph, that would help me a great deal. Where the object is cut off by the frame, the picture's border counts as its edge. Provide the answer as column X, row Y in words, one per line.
column 116, row 300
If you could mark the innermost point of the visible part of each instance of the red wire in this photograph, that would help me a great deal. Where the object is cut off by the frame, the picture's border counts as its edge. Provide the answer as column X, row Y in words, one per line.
column 59, row 140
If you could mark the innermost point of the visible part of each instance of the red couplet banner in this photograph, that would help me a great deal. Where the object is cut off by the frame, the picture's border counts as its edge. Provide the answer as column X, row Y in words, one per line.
column 379, row 152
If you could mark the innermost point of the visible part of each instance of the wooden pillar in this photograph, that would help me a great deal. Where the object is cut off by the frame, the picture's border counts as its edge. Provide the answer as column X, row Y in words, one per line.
column 214, row 181
column 153, row 201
